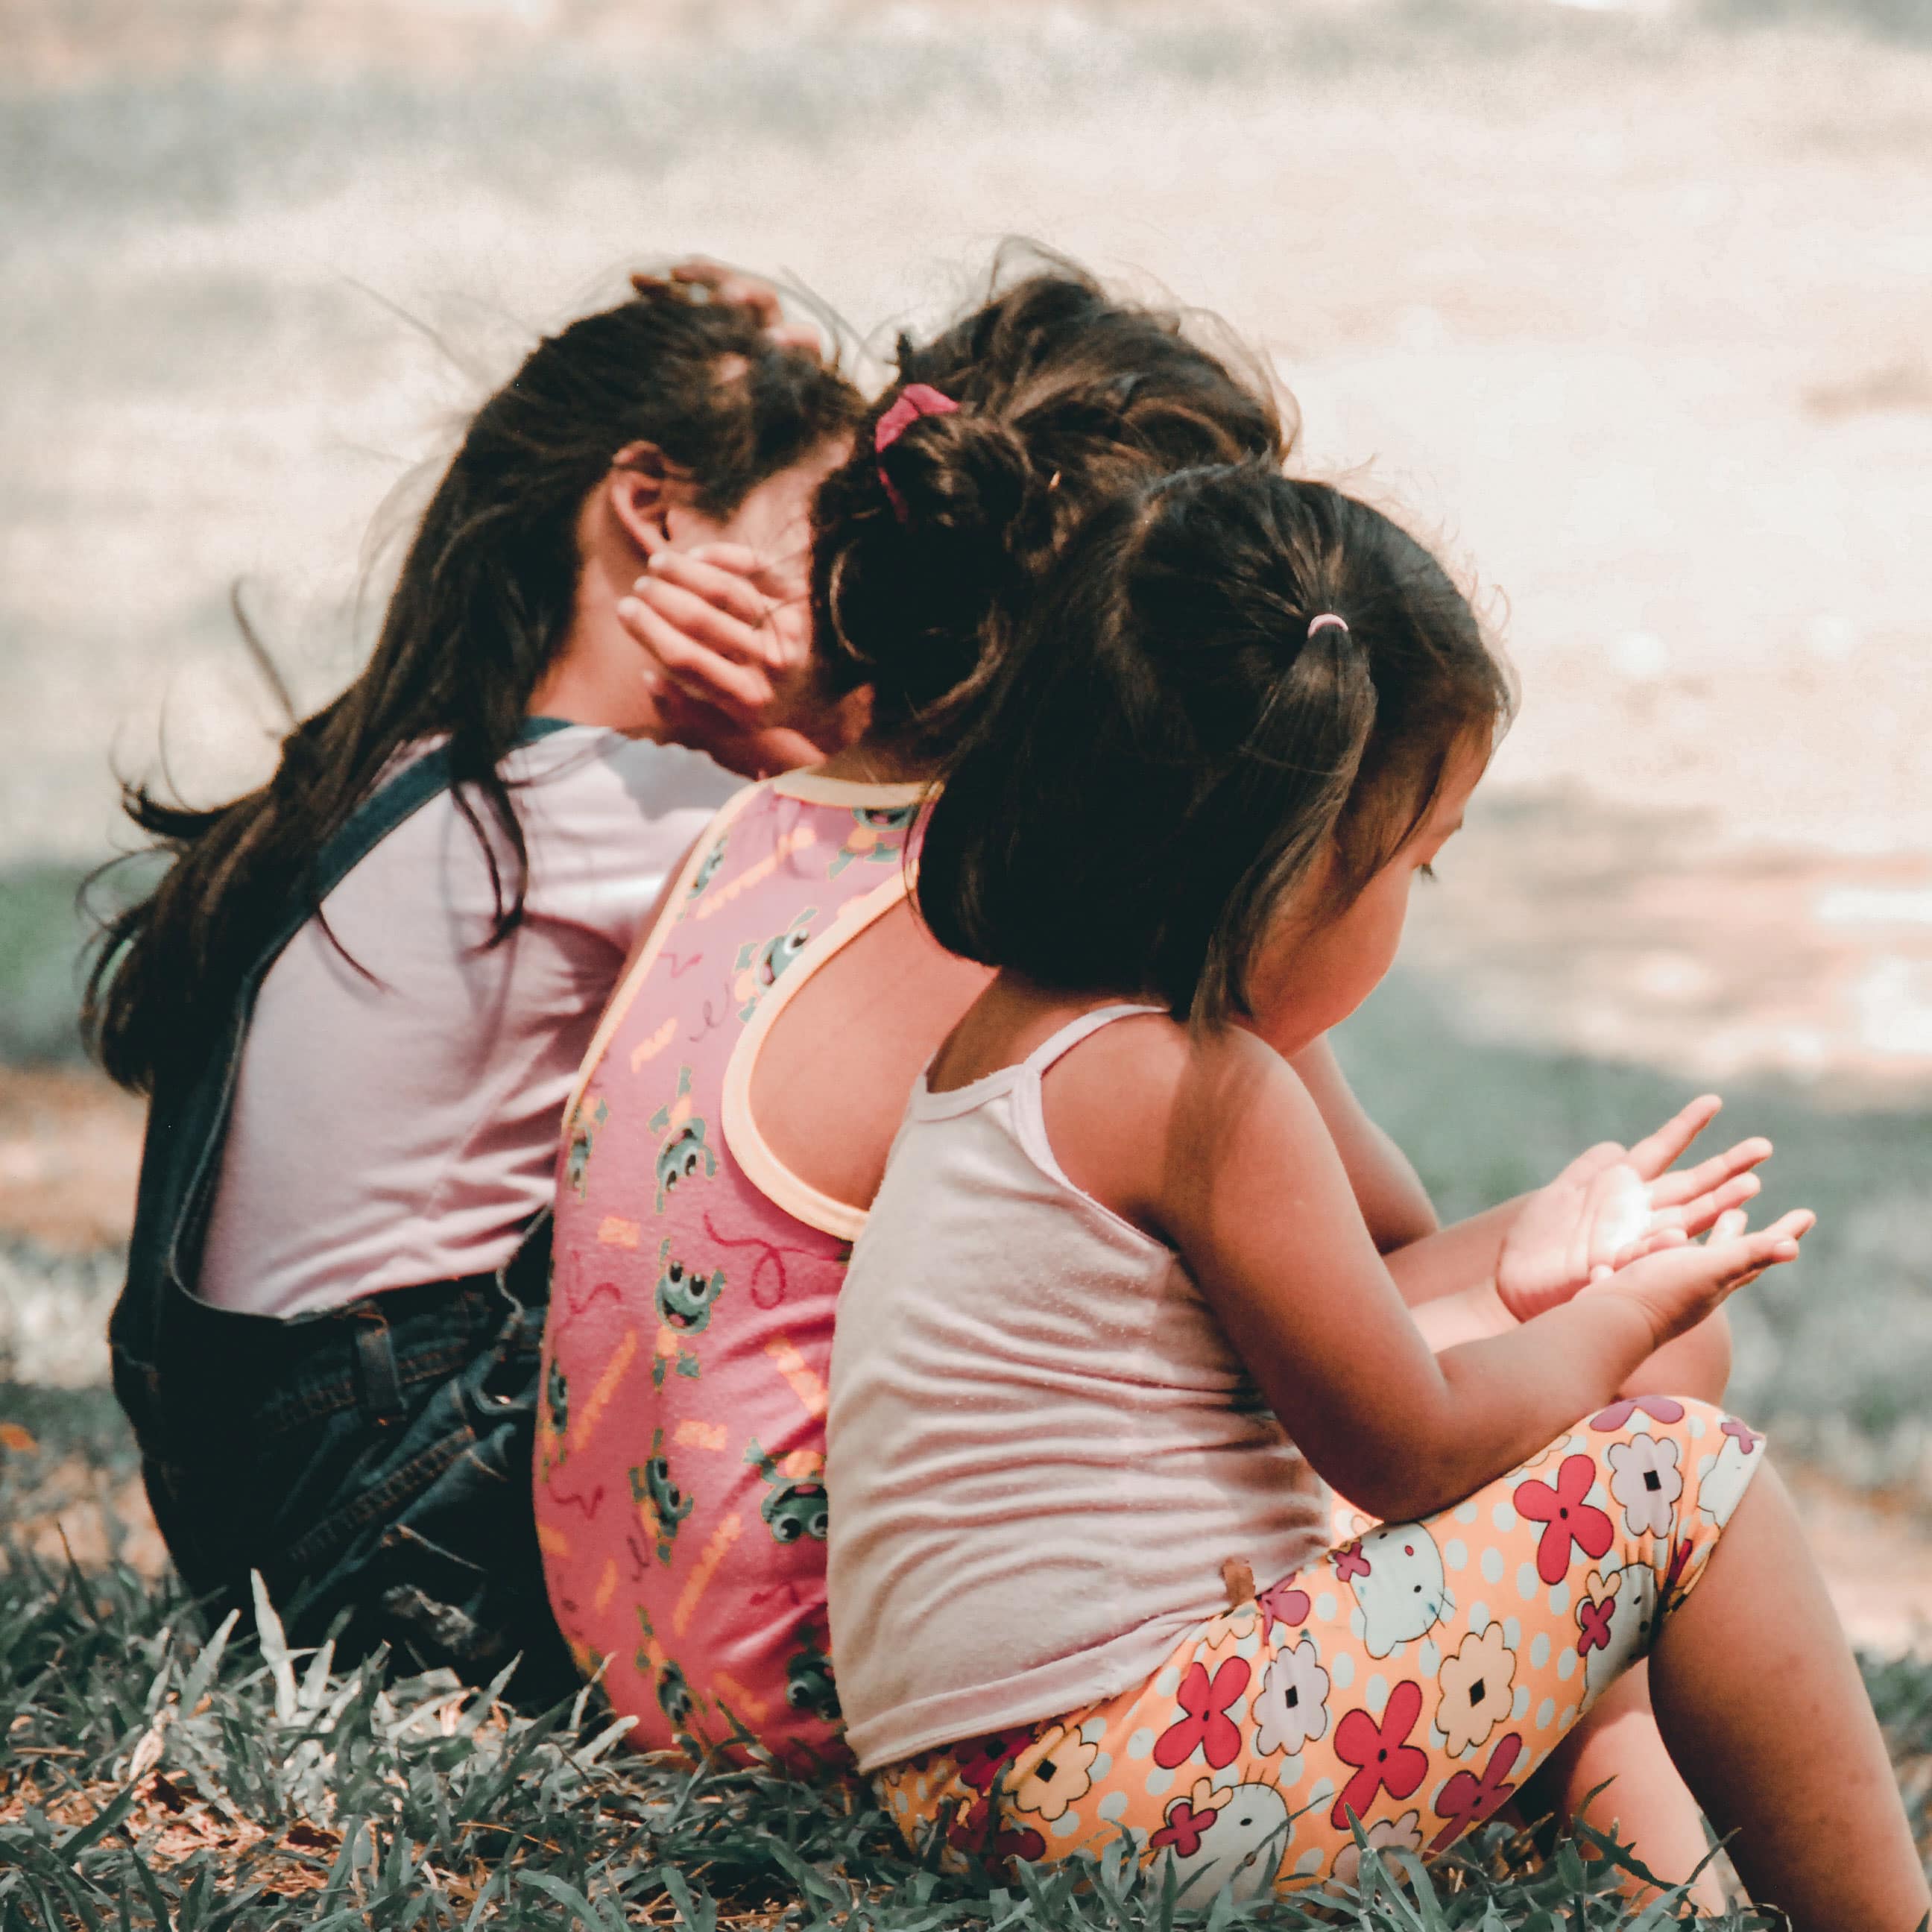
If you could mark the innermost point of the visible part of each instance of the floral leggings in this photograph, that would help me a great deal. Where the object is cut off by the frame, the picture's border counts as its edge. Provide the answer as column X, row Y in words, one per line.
column 1414, row 1676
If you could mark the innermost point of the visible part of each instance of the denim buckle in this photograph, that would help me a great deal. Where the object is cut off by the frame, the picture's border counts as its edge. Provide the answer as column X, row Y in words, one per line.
column 382, row 1382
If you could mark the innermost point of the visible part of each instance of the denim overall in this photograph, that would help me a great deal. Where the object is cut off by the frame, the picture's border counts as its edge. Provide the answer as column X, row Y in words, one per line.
column 373, row 1460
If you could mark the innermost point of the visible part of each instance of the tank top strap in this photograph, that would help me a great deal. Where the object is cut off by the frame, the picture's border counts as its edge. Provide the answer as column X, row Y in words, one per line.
column 1063, row 1042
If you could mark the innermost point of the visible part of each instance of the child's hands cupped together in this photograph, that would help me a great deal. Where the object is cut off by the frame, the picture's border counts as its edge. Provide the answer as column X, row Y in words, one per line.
column 1613, row 1206
column 1676, row 1288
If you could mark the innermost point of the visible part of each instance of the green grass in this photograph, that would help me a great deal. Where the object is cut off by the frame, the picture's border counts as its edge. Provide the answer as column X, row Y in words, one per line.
column 155, row 1775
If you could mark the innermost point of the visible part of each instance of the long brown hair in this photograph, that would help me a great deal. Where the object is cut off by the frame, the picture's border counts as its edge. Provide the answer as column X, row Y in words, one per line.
column 484, row 602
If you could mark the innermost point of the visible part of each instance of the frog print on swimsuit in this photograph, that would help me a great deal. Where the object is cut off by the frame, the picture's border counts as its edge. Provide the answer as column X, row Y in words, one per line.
column 809, row 1684
column 707, row 869
column 725, row 1332
column 685, row 1297
column 670, row 1683
column 795, row 1505
column 674, row 1697
column 685, row 1147
column 877, row 836
column 661, row 1505
column 584, row 1122
column 760, row 965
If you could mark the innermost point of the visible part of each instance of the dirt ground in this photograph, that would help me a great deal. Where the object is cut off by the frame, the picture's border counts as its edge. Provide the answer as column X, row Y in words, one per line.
column 70, row 1152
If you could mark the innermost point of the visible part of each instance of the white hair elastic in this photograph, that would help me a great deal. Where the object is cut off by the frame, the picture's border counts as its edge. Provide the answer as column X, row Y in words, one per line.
column 1322, row 622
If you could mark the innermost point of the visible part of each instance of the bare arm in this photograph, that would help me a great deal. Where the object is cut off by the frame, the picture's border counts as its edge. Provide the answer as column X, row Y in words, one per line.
column 1448, row 1261
column 1393, row 1201
column 1241, row 1176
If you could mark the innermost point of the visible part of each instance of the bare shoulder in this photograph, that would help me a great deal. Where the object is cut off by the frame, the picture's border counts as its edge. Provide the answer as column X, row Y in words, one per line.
column 1160, row 1064
column 1146, row 1096
column 1234, row 1086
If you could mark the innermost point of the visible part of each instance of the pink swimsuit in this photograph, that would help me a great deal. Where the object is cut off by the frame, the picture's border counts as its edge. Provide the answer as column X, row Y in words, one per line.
column 680, row 1496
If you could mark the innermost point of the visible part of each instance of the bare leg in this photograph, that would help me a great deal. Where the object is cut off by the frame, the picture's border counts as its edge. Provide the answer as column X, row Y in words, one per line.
column 1648, row 1805
column 1762, row 1706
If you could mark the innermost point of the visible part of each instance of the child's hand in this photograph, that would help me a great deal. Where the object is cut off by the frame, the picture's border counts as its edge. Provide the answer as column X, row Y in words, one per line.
column 725, row 626
column 726, row 636
column 1680, row 1286
column 1612, row 1206
column 718, row 283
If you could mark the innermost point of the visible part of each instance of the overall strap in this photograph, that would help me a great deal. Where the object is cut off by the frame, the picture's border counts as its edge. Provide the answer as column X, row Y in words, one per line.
column 181, row 1155
column 372, row 821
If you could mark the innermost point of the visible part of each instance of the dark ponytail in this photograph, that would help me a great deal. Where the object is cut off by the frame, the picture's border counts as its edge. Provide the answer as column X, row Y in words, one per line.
column 484, row 600
column 1178, row 739
column 924, row 555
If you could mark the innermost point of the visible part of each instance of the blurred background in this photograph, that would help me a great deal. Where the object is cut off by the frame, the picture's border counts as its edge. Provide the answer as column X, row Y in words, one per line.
column 1628, row 307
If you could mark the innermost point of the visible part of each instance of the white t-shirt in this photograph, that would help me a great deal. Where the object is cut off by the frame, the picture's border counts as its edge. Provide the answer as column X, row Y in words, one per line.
column 398, row 1124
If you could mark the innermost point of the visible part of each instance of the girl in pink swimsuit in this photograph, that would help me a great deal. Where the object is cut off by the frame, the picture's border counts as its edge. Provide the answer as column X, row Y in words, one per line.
column 679, row 1492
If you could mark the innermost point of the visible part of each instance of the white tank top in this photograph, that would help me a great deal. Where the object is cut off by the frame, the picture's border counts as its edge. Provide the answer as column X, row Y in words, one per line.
column 1041, row 1447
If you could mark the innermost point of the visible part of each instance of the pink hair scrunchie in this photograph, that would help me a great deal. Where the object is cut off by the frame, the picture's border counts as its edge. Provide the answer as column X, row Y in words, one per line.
column 915, row 400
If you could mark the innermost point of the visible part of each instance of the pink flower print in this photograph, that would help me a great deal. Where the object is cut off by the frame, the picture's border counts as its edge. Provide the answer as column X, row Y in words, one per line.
column 1207, row 1726
column 1741, row 1433
column 1593, row 1621
column 1658, row 1408
column 1185, row 1827
column 1386, row 1834
column 970, row 1830
column 1293, row 1706
column 1283, row 1603
column 1645, row 1479
column 1027, row 1844
column 1466, row 1800
column 1349, row 1561
column 976, row 1830
column 1566, row 1517
column 1386, row 1760
column 981, row 1759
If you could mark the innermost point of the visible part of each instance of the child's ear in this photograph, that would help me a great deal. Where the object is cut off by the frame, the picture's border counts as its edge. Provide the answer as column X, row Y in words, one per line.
column 635, row 489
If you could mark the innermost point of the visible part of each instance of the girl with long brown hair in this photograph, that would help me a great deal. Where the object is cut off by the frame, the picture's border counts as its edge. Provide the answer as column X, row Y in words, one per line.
column 356, row 996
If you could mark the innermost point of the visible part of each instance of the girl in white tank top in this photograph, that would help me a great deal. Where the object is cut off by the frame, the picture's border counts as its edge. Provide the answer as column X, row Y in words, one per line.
column 1064, row 1336
column 1076, row 1589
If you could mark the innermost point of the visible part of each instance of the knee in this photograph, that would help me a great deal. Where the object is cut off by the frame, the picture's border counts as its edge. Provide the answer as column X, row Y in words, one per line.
column 1679, row 1467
